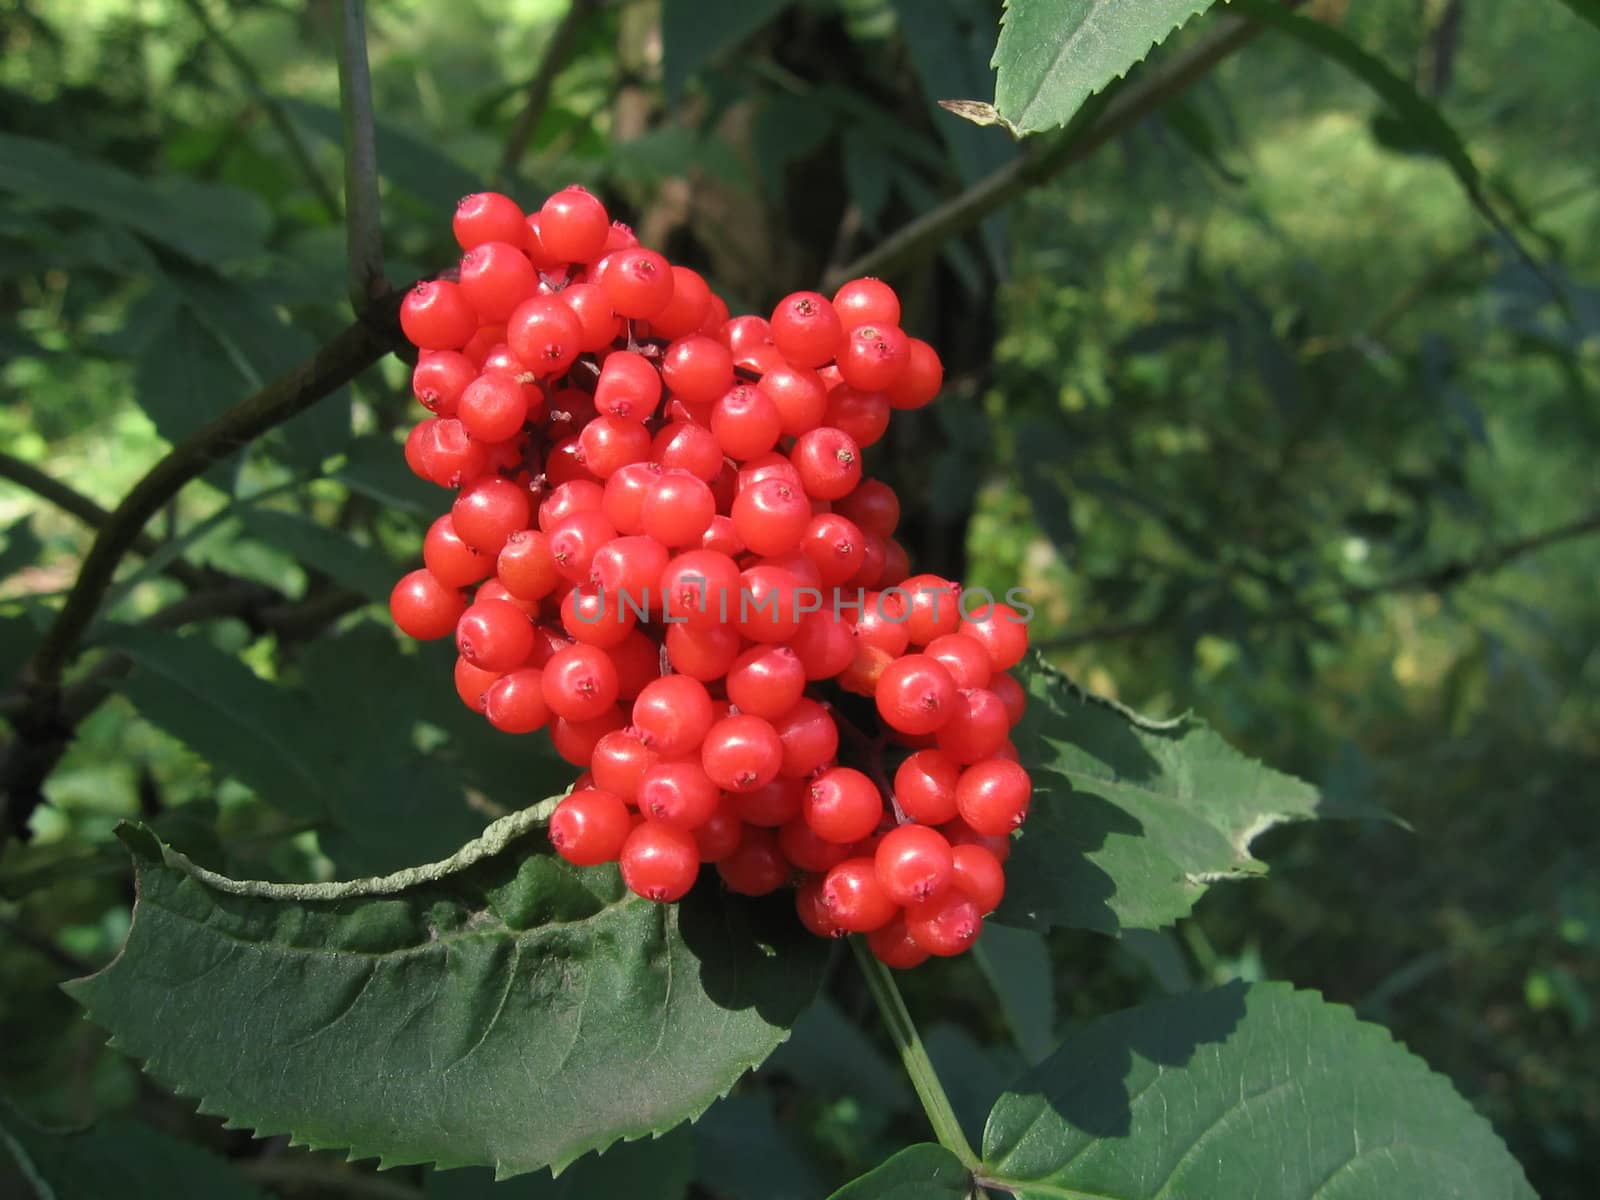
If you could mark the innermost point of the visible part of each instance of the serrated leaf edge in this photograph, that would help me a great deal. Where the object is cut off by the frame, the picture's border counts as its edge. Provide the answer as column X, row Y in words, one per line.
column 495, row 837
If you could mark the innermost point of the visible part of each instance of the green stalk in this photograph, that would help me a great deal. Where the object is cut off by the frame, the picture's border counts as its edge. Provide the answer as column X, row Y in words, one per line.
column 913, row 1055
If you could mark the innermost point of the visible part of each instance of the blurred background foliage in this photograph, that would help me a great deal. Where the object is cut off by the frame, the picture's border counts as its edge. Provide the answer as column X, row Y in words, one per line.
column 1275, row 426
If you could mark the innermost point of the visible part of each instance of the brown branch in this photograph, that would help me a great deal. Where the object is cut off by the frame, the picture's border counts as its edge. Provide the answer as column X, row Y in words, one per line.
column 76, row 504
column 537, row 96
column 1433, row 579
column 922, row 237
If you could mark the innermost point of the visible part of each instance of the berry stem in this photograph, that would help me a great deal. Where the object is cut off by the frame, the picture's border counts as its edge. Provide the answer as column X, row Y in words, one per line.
column 913, row 1055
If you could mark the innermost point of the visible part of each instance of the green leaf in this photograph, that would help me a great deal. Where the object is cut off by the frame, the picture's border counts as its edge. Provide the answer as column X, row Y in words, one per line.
column 693, row 32
column 186, row 378
column 376, row 467
column 1244, row 1091
column 243, row 725
column 1017, row 965
column 206, row 223
column 499, row 1008
column 114, row 1158
column 1132, row 820
column 1054, row 54
column 360, row 568
column 650, row 1169
column 746, row 1153
column 925, row 1172
column 22, row 547
column 1589, row 10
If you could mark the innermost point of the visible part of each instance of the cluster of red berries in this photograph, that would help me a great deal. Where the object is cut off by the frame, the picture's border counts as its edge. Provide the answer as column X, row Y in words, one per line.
column 664, row 550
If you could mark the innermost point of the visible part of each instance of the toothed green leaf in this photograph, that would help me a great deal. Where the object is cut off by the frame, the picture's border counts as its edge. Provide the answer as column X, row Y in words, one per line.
column 925, row 1172
column 1132, row 820
column 500, row 1009
column 1243, row 1091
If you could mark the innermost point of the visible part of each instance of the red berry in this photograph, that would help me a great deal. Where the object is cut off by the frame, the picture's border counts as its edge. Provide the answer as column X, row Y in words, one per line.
column 925, row 786
column 424, row 608
column 596, row 617
column 741, row 753
column 686, row 312
column 855, row 899
column 824, row 644
column 894, row 946
column 545, row 334
column 452, row 561
column 744, row 334
column 439, row 378
column 678, row 793
column 828, row 461
column 1010, row 693
column 719, row 835
column 629, row 568
column 525, row 566
column 993, row 796
column 624, row 495
column 766, row 681
column 590, row 827
column 515, row 702
column 704, row 654
column 945, row 925
column 919, row 383
column 611, row 443
column 658, row 862
column 863, row 415
column 873, row 506
column 580, row 683
column 697, row 368
column 746, row 422
column 771, row 805
column 757, row 867
column 674, row 714
column 977, row 727
column 806, row 329
column 834, row 545
column 574, row 541
column 638, row 282
column 768, row 604
column 1002, row 632
column 842, row 805
column 965, row 659
column 495, row 635
column 435, row 316
column 629, row 386
column 493, row 408
column 573, row 225
column 811, row 910
column 809, row 736
column 620, row 761
column 771, row 516
column 867, row 301
column 977, row 873
column 496, row 277
column 677, row 511
column 487, row 217
column 597, row 322
column 687, row 447
column 798, row 395
column 930, row 607
column 879, row 625
column 575, row 740
column 913, row 863
column 578, row 495
column 915, row 694
column 806, row 850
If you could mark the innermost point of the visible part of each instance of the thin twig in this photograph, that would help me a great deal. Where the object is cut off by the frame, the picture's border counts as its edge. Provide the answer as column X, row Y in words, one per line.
column 363, row 226
column 293, row 142
column 1433, row 579
column 75, row 503
column 922, row 237
column 536, row 99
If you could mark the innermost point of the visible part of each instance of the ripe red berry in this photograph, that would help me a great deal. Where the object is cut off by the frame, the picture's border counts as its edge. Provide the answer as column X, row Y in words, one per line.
column 757, row 867
column 702, row 653
column 611, row 443
column 515, row 702
column 598, row 324
column 689, row 308
column 525, row 566
column 809, row 736
column 802, row 847
column 771, row 805
column 919, row 383
column 719, row 835
column 977, row 728
column 545, row 334
column 893, row 945
column 771, row 516
column 435, row 316
column 487, row 217
column 798, row 395
column 687, row 447
column 424, row 608
column 978, row 874
column 580, row 683
column 843, row 805
column 1011, row 694
column 855, row 899
column 629, row 386
column 658, row 862
column 575, row 540
column 439, row 378
column 473, row 683
column 806, row 329
column 678, row 793
column 930, row 606
column 945, row 925
column 824, row 644
column 863, row 415
column 965, row 659
column 925, row 786
column 914, row 863
column 768, row 604
column 867, row 301
column 1002, row 632
column 746, row 422
column 992, row 796
column 697, row 368
column 915, row 694
column 620, row 760
column 573, row 226
column 596, row 617
column 624, row 495
column 766, row 681
column 575, row 740
column 590, row 827
column 742, row 753
column 677, row 511
column 828, row 461
column 495, row 278
column 638, row 282
column 812, row 912
column 673, row 714
column 495, row 635
column 493, row 408
column 453, row 562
